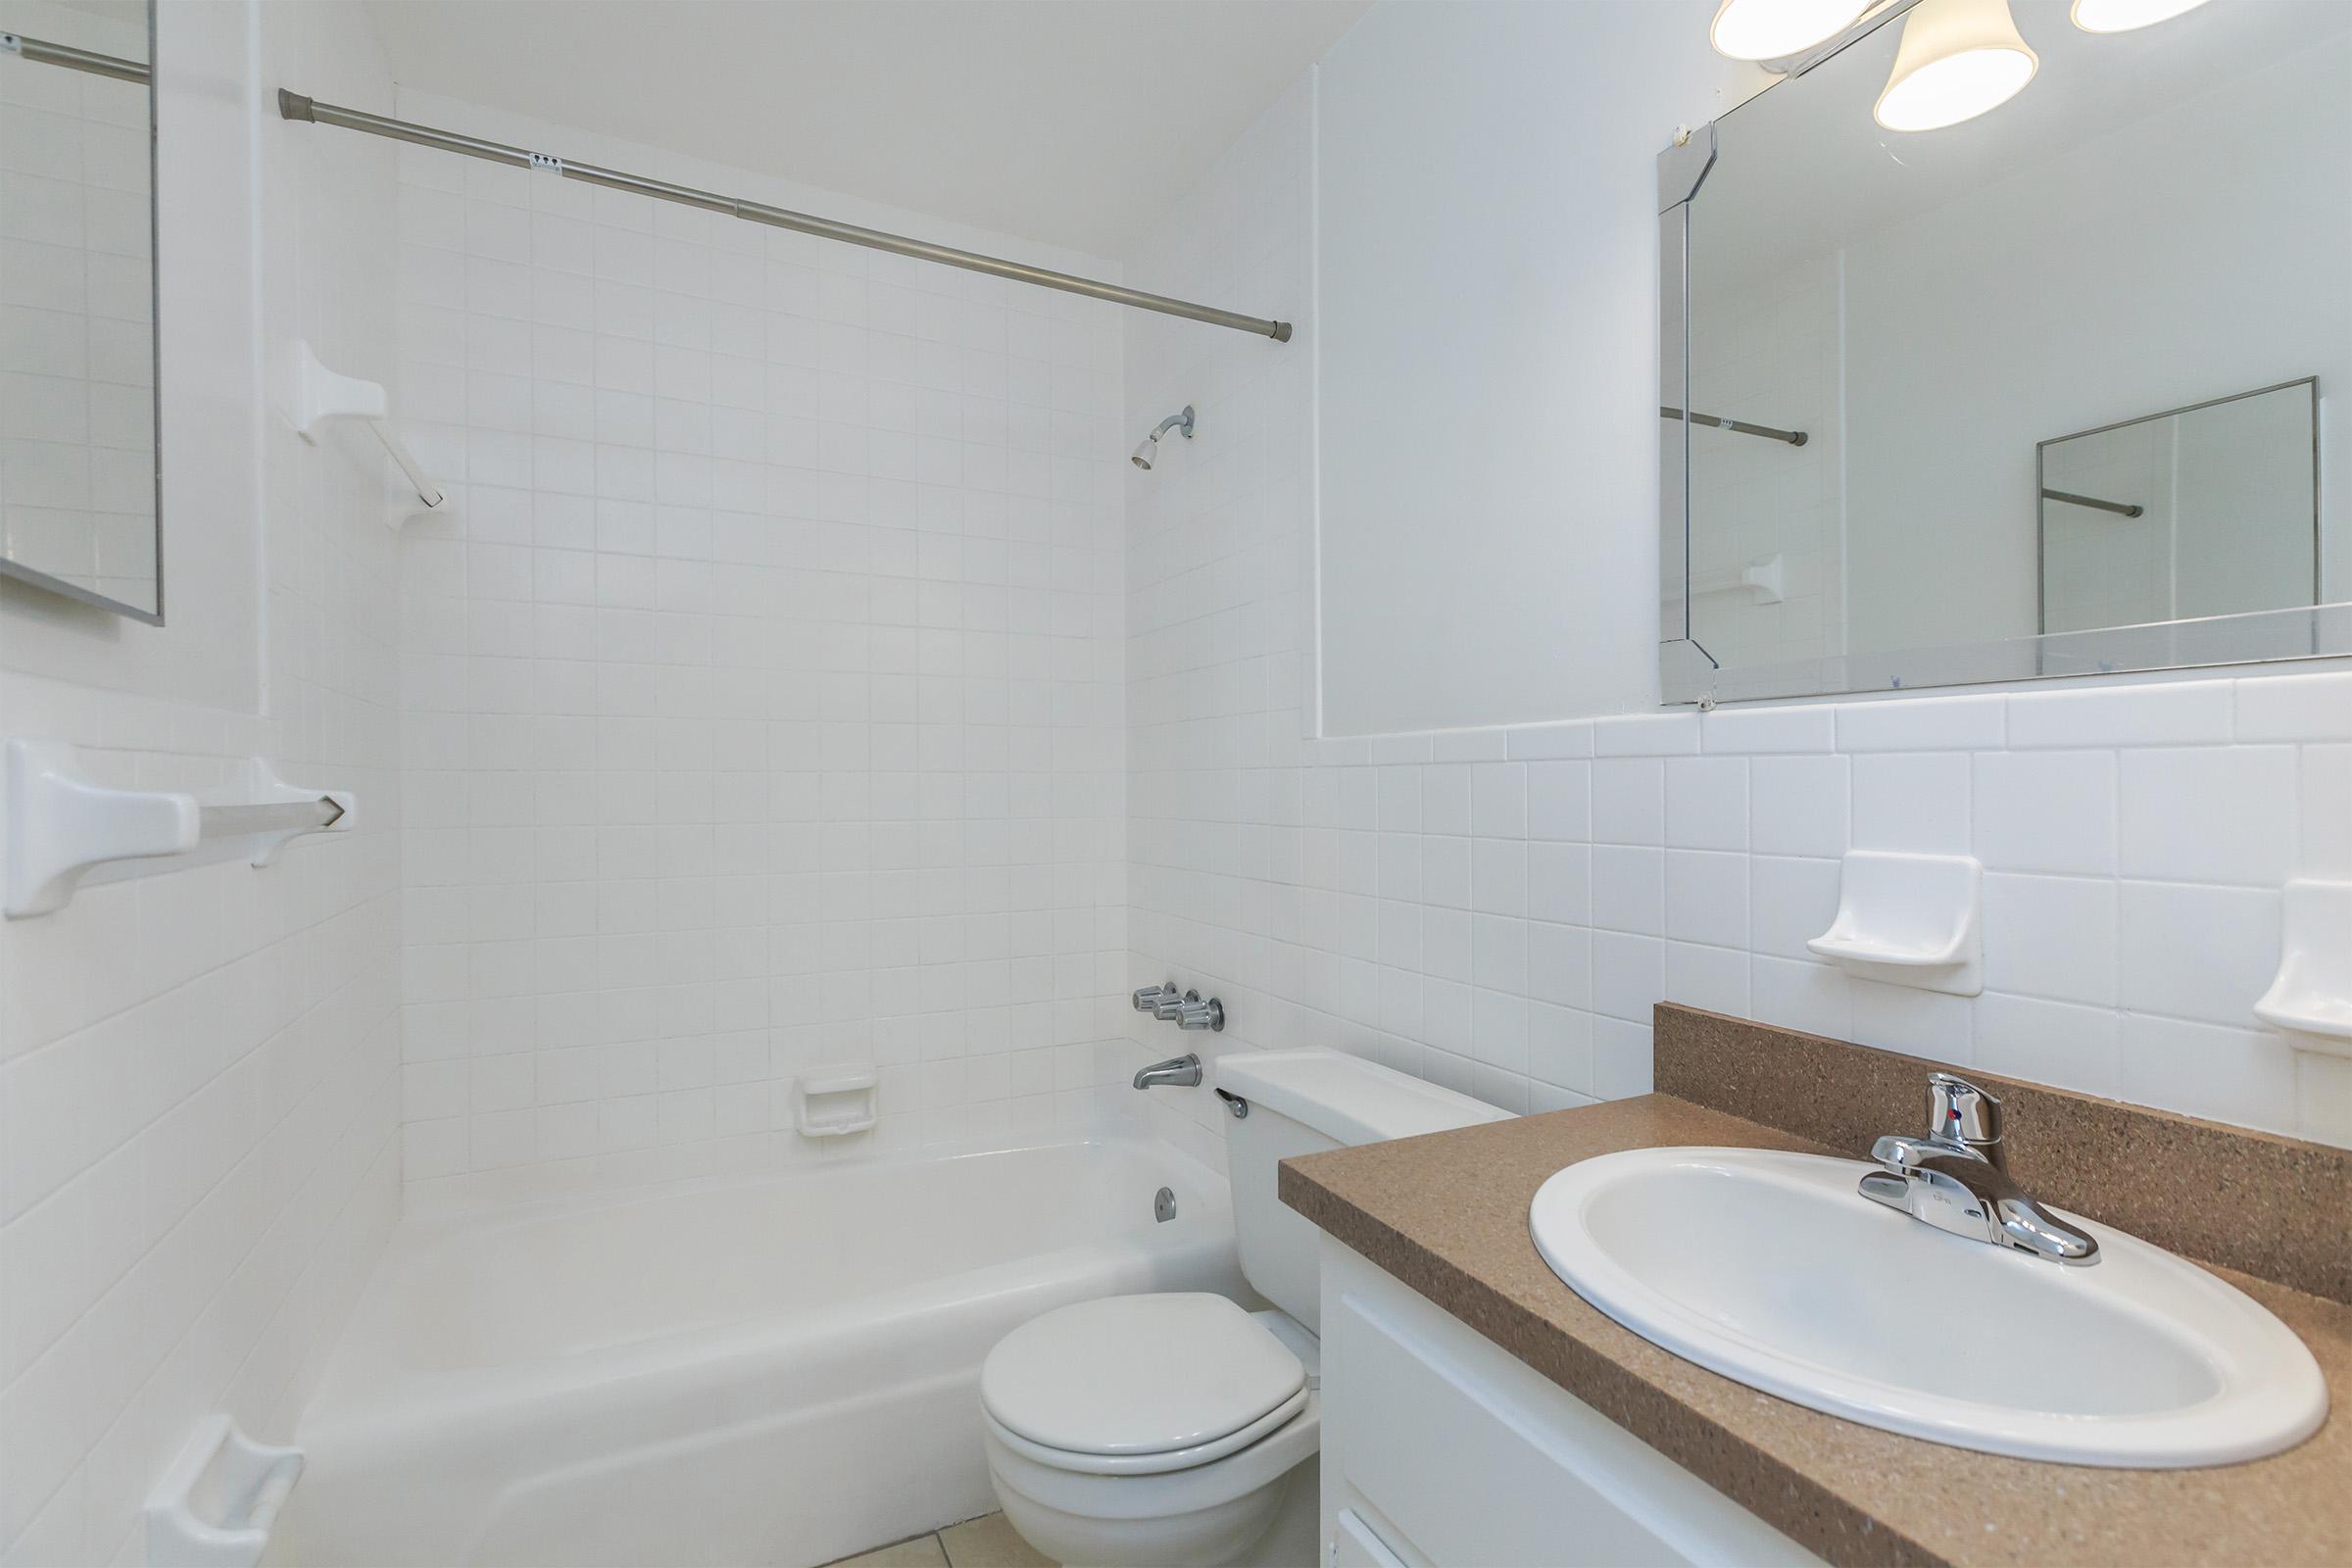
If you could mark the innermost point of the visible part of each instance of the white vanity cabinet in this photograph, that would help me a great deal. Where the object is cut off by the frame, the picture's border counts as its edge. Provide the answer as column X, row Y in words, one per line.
column 1442, row 1450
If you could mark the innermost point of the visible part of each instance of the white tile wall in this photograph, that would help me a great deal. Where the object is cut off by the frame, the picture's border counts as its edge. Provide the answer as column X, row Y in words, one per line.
column 1500, row 910
column 766, row 705
column 198, row 1150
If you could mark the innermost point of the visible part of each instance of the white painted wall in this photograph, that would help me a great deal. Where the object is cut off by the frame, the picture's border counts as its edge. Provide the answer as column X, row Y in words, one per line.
column 1499, row 909
column 1486, row 290
column 198, row 1071
column 764, row 694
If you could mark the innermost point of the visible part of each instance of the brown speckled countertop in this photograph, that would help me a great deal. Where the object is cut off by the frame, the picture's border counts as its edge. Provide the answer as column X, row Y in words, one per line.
column 1447, row 1216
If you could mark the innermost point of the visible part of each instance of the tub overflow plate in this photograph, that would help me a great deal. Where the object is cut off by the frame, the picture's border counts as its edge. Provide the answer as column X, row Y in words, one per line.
column 1163, row 1204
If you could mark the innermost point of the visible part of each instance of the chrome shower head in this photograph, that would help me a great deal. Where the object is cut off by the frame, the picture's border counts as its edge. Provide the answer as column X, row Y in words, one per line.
column 1146, row 451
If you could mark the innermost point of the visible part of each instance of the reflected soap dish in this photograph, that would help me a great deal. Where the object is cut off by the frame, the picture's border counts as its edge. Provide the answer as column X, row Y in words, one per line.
column 835, row 1102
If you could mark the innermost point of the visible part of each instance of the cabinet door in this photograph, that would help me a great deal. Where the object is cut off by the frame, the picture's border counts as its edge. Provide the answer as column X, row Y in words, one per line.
column 1353, row 1545
column 1466, row 1455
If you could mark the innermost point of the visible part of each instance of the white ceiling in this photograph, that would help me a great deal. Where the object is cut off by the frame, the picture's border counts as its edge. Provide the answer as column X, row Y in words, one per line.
column 1060, row 121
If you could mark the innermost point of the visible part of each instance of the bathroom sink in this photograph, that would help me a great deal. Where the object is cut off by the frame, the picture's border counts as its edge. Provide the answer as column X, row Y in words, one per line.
column 1770, row 1269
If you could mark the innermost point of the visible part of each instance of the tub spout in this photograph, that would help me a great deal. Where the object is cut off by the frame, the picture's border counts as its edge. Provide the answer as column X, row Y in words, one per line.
column 1183, row 1071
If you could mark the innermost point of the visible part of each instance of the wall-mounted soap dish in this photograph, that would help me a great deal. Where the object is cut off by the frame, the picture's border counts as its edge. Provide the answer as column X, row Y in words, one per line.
column 214, row 1505
column 2311, row 997
column 834, row 1102
column 1909, row 920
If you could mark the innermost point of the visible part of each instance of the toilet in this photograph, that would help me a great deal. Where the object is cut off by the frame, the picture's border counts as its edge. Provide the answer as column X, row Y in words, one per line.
column 1179, row 1428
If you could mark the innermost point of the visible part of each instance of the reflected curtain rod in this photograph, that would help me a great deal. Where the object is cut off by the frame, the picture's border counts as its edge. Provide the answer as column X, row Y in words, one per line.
column 2122, row 509
column 294, row 105
column 1796, row 438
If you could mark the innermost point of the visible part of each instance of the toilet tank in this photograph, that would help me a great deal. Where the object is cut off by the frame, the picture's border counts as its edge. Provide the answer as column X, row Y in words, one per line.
column 1302, row 1103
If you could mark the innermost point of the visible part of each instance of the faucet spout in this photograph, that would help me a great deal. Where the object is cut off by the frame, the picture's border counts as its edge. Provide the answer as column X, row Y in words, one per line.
column 1183, row 1072
column 1960, row 1182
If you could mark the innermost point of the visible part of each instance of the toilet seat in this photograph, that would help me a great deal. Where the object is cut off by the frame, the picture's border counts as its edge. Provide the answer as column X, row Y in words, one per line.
column 1140, row 1385
column 1149, row 1464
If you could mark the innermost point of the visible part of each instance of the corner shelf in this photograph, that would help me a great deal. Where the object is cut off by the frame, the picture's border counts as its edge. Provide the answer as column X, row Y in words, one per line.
column 1909, row 920
column 62, row 827
column 2310, row 997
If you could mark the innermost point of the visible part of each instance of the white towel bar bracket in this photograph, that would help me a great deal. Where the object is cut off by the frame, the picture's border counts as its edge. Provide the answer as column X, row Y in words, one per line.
column 313, row 394
column 62, row 829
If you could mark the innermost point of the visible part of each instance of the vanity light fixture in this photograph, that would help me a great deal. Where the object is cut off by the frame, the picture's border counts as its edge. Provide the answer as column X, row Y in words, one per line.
column 1957, row 60
column 1774, row 29
column 2124, row 15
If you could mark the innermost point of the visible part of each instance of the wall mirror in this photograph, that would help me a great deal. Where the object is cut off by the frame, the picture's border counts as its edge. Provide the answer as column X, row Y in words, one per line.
column 2207, row 510
column 1889, row 358
column 78, row 511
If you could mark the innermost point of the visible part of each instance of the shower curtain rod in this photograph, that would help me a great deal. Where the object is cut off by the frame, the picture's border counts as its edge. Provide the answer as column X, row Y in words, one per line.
column 43, row 52
column 294, row 105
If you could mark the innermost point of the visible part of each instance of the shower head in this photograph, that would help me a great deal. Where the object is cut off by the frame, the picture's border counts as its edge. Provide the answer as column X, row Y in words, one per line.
column 1146, row 451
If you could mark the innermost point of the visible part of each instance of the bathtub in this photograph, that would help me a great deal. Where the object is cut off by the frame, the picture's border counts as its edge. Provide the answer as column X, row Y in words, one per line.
column 778, row 1371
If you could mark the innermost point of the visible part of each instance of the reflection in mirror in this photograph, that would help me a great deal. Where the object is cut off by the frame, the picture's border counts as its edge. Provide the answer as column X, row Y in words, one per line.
column 78, row 427
column 2206, row 510
column 2160, row 221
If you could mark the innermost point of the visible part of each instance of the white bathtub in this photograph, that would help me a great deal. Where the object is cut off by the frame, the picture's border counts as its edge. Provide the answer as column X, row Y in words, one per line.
column 777, row 1371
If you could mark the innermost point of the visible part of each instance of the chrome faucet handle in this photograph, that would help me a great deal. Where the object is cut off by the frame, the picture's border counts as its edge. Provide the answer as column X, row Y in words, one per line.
column 1148, row 999
column 1196, row 1014
column 1956, row 1179
column 1961, row 1113
column 1170, row 1005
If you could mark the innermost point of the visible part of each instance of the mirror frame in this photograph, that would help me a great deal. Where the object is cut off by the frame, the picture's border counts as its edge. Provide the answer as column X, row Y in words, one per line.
column 1688, row 674
column 33, row 578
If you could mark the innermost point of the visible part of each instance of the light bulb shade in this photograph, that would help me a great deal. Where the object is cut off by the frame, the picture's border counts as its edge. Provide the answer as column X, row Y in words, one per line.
column 2122, row 15
column 1772, row 29
column 1958, row 59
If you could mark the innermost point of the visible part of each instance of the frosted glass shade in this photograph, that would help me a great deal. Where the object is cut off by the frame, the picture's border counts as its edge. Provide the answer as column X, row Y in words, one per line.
column 1958, row 59
column 1770, row 30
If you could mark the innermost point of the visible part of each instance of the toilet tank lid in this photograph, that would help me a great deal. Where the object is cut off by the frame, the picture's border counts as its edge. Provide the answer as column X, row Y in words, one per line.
column 1347, row 1098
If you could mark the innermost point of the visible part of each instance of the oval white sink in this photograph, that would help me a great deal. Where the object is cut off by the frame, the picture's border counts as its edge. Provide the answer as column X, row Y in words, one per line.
column 1770, row 1269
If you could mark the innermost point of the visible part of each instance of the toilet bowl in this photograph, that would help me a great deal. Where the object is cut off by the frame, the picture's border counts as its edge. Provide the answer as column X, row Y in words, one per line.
column 1178, row 1428
column 1163, row 1429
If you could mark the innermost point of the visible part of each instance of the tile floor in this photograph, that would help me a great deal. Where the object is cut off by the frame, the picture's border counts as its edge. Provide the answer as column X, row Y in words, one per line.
column 987, row 1542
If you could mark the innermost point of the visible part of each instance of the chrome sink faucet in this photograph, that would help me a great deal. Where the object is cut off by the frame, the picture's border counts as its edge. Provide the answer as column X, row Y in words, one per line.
column 1957, row 1178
